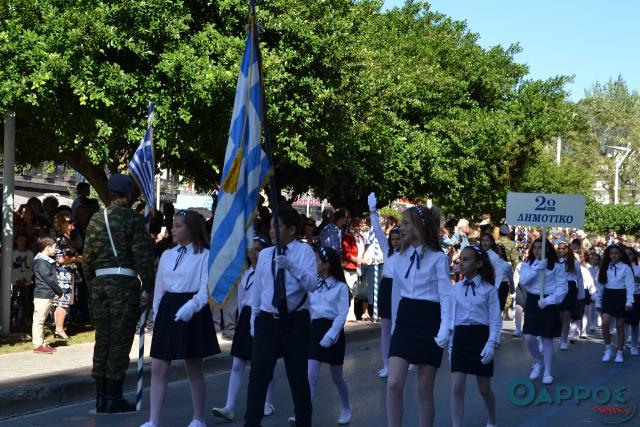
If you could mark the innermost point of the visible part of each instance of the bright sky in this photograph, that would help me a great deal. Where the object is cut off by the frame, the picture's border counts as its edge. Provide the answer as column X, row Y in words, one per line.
column 594, row 40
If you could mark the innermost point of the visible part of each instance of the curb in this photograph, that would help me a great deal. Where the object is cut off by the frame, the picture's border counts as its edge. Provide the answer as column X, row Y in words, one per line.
column 32, row 394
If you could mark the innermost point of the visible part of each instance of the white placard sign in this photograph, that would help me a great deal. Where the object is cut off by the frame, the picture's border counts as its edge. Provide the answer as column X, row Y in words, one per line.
column 546, row 210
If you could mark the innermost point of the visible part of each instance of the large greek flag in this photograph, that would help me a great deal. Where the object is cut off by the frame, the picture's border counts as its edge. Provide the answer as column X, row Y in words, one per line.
column 143, row 166
column 246, row 168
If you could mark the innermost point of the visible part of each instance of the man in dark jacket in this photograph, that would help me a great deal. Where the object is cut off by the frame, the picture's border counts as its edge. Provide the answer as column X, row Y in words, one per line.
column 44, row 271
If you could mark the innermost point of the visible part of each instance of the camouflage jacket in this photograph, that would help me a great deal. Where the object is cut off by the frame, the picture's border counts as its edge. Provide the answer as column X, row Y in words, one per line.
column 512, row 250
column 132, row 242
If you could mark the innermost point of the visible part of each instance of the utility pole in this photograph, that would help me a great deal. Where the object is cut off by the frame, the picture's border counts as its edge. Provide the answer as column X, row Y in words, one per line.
column 625, row 151
column 7, row 219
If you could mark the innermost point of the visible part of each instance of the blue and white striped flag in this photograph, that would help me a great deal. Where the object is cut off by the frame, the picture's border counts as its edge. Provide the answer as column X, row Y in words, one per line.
column 246, row 169
column 143, row 166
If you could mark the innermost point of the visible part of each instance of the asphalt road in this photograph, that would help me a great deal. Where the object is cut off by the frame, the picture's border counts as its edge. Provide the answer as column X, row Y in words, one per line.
column 578, row 367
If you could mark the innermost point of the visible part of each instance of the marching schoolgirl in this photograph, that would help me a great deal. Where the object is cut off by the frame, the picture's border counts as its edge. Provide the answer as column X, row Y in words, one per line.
column 504, row 276
column 594, row 268
column 329, row 309
column 616, row 286
column 521, row 298
column 184, row 327
column 488, row 244
column 421, row 273
column 390, row 248
column 584, row 319
column 242, row 340
column 477, row 320
column 542, row 313
column 575, row 289
column 633, row 316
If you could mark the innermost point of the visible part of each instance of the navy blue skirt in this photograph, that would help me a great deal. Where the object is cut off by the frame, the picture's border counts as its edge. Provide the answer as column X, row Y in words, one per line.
column 614, row 302
column 541, row 322
column 633, row 316
column 570, row 301
column 468, row 343
column 384, row 298
column 242, row 340
column 417, row 324
column 333, row 355
column 173, row 340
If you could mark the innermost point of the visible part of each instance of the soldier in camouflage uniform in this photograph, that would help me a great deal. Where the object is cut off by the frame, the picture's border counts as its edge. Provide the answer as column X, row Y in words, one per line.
column 117, row 257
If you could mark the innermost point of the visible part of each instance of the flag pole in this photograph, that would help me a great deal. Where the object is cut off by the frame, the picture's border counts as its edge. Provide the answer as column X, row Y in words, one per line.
column 268, row 145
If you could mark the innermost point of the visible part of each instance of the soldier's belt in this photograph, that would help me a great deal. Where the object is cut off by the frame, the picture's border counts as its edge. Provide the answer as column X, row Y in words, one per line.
column 116, row 271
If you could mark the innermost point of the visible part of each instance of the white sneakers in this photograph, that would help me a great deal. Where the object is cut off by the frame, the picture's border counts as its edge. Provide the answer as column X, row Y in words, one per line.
column 607, row 354
column 547, row 379
column 148, row 424
column 224, row 413
column 619, row 357
column 564, row 345
column 634, row 351
column 536, row 370
column 515, row 334
column 269, row 409
column 196, row 423
column 383, row 373
column 345, row 416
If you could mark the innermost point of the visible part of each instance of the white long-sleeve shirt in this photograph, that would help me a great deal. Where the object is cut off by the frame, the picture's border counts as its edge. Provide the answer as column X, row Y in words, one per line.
column 587, row 279
column 555, row 280
column 330, row 301
column 477, row 305
column 191, row 274
column 496, row 262
column 619, row 276
column 424, row 278
column 575, row 276
column 636, row 276
column 246, row 288
column 305, row 279
column 389, row 261
column 505, row 274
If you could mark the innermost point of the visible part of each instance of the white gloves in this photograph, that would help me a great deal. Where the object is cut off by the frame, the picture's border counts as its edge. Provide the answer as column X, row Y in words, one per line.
column 373, row 202
column 326, row 342
column 544, row 302
column 186, row 312
column 283, row 262
column 487, row 352
column 540, row 265
column 443, row 337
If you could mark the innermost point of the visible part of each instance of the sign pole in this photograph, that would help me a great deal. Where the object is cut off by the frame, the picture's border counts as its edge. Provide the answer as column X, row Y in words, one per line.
column 543, row 235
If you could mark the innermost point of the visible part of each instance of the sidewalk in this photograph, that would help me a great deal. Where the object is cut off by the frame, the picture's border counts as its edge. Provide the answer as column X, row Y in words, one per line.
column 30, row 382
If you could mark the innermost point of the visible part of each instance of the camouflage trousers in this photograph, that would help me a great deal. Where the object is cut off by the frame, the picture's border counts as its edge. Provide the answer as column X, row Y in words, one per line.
column 116, row 310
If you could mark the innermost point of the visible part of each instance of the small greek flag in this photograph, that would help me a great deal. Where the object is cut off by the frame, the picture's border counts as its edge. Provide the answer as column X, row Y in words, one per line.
column 246, row 169
column 143, row 166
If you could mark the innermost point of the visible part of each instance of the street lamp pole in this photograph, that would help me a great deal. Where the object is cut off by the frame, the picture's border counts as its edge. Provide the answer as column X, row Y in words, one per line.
column 619, row 160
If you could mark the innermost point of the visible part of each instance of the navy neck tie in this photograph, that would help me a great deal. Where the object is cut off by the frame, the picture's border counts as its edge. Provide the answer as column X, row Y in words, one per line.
column 322, row 285
column 470, row 284
column 279, row 300
column 181, row 251
column 249, row 283
column 614, row 268
column 415, row 258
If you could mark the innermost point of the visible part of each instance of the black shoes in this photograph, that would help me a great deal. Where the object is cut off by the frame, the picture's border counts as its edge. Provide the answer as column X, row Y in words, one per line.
column 112, row 401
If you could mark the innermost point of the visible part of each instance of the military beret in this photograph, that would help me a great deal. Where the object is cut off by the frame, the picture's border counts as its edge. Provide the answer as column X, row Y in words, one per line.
column 504, row 230
column 119, row 183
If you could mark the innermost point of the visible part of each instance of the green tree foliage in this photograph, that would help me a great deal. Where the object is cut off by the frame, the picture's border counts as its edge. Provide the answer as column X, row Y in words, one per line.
column 613, row 114
column 403, row 102
column 623, row 219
